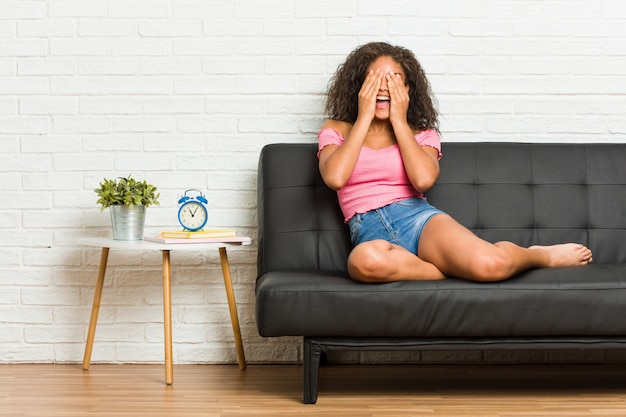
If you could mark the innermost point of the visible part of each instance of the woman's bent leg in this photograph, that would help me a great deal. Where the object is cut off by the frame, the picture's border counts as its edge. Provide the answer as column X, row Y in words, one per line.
column 381, row 261
column 458, row 252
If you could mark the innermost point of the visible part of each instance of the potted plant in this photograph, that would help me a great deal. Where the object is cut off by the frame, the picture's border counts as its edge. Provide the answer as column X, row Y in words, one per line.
column 128, row 199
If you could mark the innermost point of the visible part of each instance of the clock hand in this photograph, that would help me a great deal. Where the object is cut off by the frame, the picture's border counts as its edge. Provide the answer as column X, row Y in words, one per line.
column 194, row 212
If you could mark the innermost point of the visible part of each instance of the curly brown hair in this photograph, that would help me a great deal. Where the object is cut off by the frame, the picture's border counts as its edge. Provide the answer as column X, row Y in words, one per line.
column 343, row 90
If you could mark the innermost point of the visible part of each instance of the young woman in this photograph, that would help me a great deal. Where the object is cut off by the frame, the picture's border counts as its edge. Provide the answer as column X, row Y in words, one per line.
column 380, row 150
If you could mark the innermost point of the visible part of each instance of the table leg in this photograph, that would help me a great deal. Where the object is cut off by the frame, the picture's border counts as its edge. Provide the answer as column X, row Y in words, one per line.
column 95, row 309
column 232, row 306
column 167, row 317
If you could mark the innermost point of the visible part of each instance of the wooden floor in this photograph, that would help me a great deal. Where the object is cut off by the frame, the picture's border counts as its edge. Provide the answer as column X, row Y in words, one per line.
column 345, row 391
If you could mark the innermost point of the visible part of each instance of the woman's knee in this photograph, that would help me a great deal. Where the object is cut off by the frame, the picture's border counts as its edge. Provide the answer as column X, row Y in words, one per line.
column 369, row 262
column 492, row 266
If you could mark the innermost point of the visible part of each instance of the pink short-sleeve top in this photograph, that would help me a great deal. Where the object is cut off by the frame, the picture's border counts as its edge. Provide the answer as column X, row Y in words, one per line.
column 379, row 177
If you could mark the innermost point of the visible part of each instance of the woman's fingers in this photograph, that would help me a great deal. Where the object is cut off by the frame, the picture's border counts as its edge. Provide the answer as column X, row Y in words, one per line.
column 368, row 92
column 372, row 83
column 399, row 96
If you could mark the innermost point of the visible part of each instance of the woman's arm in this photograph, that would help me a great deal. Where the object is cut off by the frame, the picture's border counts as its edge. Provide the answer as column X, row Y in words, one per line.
column 421, row 163
column 337, row 162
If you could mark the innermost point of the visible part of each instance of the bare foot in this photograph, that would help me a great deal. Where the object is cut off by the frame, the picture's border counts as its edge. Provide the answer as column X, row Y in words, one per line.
column 566, row 254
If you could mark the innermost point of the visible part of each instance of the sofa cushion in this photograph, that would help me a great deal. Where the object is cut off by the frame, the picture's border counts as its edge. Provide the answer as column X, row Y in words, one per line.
column 581, row 301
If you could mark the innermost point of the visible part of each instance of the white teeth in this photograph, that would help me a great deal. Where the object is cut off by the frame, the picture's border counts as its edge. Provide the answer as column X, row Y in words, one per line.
column 382, row 98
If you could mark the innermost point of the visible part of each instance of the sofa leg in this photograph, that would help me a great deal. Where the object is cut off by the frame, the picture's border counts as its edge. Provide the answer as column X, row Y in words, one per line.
column 312, row 355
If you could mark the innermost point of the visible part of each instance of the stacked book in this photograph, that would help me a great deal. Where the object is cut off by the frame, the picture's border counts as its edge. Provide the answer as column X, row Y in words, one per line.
column 200, row 236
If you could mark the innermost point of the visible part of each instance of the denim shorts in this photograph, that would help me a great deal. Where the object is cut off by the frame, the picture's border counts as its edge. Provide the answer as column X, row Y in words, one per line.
column 400, row 223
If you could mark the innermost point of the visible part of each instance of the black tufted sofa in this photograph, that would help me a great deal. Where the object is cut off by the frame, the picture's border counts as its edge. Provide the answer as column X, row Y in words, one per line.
column 526, row 193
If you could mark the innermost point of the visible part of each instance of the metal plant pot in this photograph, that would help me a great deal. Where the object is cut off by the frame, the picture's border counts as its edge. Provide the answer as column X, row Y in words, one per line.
column 128, row 223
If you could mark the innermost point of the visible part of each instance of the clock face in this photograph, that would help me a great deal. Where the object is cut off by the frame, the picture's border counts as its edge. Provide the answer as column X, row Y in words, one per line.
column 192, row 216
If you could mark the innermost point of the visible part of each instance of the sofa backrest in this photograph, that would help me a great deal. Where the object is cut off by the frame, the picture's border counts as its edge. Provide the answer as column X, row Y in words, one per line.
column 529, row 193
column 300, row 226
column 538, row 193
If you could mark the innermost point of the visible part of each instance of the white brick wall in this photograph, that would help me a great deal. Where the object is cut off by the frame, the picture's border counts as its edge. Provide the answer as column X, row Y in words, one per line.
column 185, row 94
